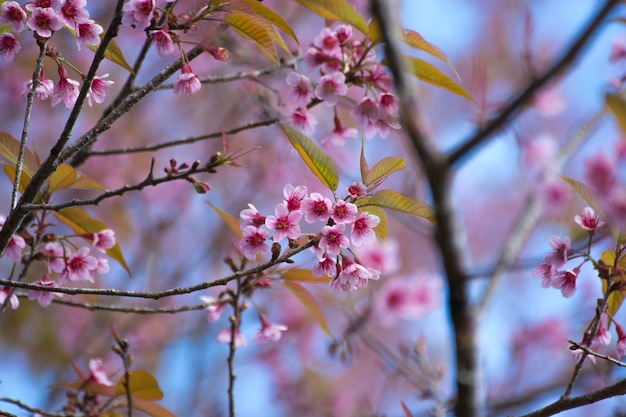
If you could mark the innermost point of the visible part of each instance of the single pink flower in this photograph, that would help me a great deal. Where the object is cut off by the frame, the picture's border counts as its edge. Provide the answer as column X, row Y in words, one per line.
column 340, row 134
column 102, row 240
column 343, row 34
column 97, row 373
column 14, row 249
column 380, row 78
column 327, row 265
column 32, row 5
column 99, row 88
column 285, row 223
column 343, row 212
column 9, row 46
column 407, row 299
column 621, row 341
column 301, row 92
column 304, row 120
column 545, row 272
column 330, row 87
column 254, row 242
column 79, row 266
column 327, row 41
column 163, row 41
column 566, row 281
column 138, row 13
column 294, row 196
column 53, row 253
column 65, row 90
column 315, row 58
column 44, row 88
column 88, row 33
column 251, row 217
column 73, row 12
column 187, row 82
column 13, row 14
column 101, row 268
column 333, row 239
column 316, row 208
column 225, row 335
column 269, row 332
column 44, row 21
column 600, row 174
column 559, row 256
column 588, row 220
column 357, row 190
column 388, row 105
column 366, row 111
column 603, row 337
column 353, row 276
column 362, row 230
column 214, row 308
column 381, row 256
column 44, row 298
column 14, row 302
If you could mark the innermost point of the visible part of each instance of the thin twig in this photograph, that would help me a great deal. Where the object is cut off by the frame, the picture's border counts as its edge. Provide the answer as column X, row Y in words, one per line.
column 29, row 408
column 133, row 310
column 584, row 348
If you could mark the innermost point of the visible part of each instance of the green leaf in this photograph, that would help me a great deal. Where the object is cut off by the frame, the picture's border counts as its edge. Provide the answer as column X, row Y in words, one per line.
column 67, row 177
column 416, row 40
column 309, row 302
column 142, row 385
column 152, row 409
column 382, row 169
column 24, row 178
column 404, row 203
column 374, row 32
column 272, row 16
column 618, row 107
column 318, row 162
column 382, row 230
column 339, row 10
column 363, row 162
column 616, row 298
column 432, row 75
column 113, row 54
column 81, row 222
column 230, row 221
column 10, row 148
column 253, row 28
column 586, row 193
column 304, row 275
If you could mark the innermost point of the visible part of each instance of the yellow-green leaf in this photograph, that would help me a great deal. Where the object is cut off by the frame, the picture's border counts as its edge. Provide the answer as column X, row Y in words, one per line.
column 24, row 178
column 230, row 221
column 382, row 230
column 318, row 162
column 617, row 105
column 416, row 40
column 616, row 298
column 310, row 303
column 336, row 10
column 150, row 408
column 272, row 16
column 585, row 192
column 432, row 75
column 113, row 54
column 382, row 169
column 253, row 28
column 142, row 385
column 10, row 148
column 363, row 162
column 396, row 201
column 81, row 222
column 67, row 177
column 304, row 275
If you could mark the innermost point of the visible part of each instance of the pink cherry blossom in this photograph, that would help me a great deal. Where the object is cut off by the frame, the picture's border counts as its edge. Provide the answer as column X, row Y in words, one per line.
column 251, row 217
column 618, row 49
column 301, row 93
column 545, row 272
column 187, row 82
column 600, row 174
column 588, row 220
column 102, row 240
column 621, row 341
column 138, row 13
column 316, row 208
column 304, row 120
column 343, row 34
column 343, row 212
column 380, row 78
column 44, row 298
column 98, row 89
column 353, row 276
column 549, row 102
column 88, row 33
column 566, row 281
column 357, row 190
column 54, row 256
column 562, row 250
column 43, row 90
column 327, row 265
column 315, row 58
column 294, row 196
column 214, row 308
column 340, row 135
column 13, row 14
column 97, row 373
column 14, row 249
column 32, row 5
column 225, row 335
column 382, row 256
column 65, row 90
column 101, row 268
column 362, row 230
column 14, row 302
column 269, row 332
column 388, row 105
column 409, row 299
column 163, row 41
column 44, row 21
column 79, row 266
column 73, row 12
column 366, row 111
column 603, row 336
column 330, row 87
column 9, row 46
column 285, row 223
column 254, row 241
column 333, row 239
column 327, row 41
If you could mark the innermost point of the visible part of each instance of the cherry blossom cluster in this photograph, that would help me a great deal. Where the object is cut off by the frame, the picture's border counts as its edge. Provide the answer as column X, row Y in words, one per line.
column 332, row 247
column 344, row 61
column 44, row 18
column 63, row 260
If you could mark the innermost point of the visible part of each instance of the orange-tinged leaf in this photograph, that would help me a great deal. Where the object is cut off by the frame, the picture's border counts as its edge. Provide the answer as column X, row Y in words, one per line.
column 363, row 163
column 67, row 177
column 142, row 385
column 91, row 386
column 253, row 28
column 111, row 414
column 310, row 303
column 406, row 410
column 271, row 16
column 617, row 105
column 304, row 275
column 10, row 148
column 382, row 169
column 616, row 298
column 232, row 223
column 318, row 162
column 382, row 230
column 81, row 222
column 151, row 408
column 113, row 54
column 585, row 192
column 432, row 75
column 339, row 10
column 417, row 41
column 396, row 201
column 24, row 178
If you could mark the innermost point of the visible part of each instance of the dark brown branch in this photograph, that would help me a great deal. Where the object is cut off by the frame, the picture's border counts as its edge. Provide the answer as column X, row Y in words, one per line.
column 516, row 103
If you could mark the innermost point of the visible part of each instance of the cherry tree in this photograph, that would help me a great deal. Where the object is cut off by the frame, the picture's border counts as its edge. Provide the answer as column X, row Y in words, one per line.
column 242, row 207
